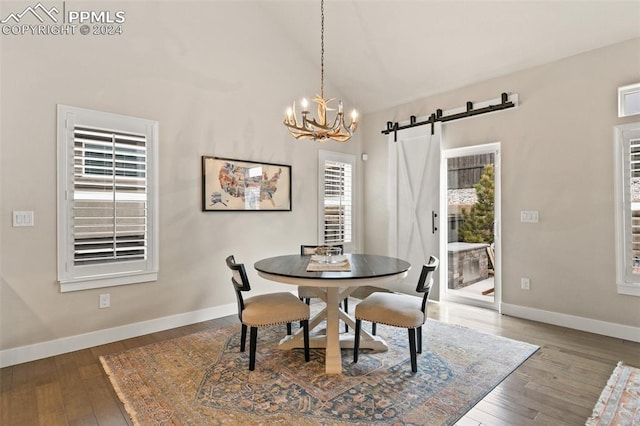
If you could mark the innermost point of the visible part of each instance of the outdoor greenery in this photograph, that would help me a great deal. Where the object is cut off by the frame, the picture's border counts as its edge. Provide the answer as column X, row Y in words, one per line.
column 477, row 224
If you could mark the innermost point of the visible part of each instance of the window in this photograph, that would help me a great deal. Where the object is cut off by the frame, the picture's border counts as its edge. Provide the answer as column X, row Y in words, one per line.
column 336, row 199
column 107, row 207
column 627, row 195
column 629, row 100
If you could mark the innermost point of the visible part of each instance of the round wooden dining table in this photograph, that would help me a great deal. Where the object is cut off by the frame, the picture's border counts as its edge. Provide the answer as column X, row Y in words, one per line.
column 332, row 286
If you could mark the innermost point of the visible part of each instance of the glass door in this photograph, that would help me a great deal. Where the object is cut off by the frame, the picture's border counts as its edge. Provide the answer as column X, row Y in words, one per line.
column 472, row 220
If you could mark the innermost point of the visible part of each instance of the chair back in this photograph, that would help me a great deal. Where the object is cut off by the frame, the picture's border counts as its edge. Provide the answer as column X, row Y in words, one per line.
column 306, row 250
column 240, row 281
column 426, row 280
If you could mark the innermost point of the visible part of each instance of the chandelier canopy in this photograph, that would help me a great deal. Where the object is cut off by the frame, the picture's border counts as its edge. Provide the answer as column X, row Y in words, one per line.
column 320, row 128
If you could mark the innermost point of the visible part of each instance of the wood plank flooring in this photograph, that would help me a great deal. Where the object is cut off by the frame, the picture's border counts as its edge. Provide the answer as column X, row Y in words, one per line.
column 559, row 385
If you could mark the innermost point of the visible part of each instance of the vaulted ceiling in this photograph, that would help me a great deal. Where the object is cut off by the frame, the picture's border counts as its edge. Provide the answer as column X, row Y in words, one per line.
column 383, row 53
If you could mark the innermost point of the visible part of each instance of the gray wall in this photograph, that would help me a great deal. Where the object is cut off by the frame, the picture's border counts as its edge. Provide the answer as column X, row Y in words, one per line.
column 557, row 157
column 217, row 86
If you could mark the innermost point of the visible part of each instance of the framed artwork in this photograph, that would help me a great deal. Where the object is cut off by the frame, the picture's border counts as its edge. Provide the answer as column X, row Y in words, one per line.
column 237, row 185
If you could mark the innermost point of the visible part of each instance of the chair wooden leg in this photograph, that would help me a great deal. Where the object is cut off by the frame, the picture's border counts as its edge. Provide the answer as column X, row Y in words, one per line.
column 412, row 350
column 373, row 328
column 288, row 329
column 253, row 340
column 308, row 302
column 305, row 327
column 419, row 338
column 243, row 337
column 356, row 340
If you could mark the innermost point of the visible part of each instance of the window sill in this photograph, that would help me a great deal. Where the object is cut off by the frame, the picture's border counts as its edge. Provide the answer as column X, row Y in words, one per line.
column 106, row 281
column 629, row 289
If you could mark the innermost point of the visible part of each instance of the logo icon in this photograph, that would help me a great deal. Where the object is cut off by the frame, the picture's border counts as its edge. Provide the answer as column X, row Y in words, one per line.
column 39, row 11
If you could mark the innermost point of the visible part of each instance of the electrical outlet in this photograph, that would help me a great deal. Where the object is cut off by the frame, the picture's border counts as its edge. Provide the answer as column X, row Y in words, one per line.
column 105, row 300
column 525, row 283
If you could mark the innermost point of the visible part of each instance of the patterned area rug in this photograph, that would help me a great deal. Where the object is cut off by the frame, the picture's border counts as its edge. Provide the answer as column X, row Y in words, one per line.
column 203, row 379
column 619, row 402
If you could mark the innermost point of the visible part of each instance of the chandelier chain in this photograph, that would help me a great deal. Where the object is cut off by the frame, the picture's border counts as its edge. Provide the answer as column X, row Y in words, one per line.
column 322, row 49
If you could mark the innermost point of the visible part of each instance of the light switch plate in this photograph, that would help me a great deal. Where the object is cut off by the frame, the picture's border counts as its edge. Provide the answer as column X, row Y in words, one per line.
column 22, row 218
column 530, row 216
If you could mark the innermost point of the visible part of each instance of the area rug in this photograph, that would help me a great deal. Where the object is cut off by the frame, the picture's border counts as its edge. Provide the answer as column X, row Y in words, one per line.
column 203, row 379
column 619, row 402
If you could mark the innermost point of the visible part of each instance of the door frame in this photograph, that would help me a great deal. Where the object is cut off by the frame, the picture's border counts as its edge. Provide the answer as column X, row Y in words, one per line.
column 488, row 148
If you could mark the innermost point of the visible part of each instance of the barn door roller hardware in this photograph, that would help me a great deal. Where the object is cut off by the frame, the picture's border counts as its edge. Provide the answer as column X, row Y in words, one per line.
column 437, row 116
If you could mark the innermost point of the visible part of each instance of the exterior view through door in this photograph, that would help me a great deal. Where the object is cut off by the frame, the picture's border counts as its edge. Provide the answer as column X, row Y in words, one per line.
column 471, row 224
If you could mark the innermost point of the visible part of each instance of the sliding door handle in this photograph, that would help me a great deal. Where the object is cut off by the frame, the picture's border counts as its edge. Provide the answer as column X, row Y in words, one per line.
column 434, row 228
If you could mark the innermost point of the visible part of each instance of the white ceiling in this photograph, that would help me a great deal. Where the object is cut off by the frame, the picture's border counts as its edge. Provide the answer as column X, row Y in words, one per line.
column 382, row 53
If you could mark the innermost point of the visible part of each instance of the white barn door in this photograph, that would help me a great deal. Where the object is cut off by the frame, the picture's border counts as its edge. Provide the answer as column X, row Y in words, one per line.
column 414, row 173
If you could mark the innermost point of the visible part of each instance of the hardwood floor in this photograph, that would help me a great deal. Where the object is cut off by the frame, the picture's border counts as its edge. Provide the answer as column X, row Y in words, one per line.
column 558, row 385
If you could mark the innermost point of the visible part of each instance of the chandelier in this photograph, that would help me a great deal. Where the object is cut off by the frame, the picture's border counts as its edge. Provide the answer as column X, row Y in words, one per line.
column 320, row 129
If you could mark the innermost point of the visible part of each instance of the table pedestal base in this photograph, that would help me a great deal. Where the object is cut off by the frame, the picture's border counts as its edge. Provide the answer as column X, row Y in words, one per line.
column 317, row 340
column 330, row 338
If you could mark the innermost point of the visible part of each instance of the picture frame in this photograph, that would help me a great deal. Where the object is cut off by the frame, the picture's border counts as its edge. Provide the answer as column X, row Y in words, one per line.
column 240, row 185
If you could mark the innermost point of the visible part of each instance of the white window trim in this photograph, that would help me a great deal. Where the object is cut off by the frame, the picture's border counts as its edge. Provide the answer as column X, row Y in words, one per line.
column 631, row 93
column 324, row 156
column 71, row 277
column 624, row 283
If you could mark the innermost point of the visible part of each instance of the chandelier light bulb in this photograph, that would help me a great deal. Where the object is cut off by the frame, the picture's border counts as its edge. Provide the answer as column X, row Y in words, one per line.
column 304, row 104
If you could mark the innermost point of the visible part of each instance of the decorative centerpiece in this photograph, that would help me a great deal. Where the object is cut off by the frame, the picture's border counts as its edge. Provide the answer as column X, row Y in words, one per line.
column 328, row 255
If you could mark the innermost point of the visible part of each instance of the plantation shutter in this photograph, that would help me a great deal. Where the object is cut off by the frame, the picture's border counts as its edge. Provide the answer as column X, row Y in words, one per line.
column 338, row 202
column 107, row 199
column 109, row 196
column 633, row 206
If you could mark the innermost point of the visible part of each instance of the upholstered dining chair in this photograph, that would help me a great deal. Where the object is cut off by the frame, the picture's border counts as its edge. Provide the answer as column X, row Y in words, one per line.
column 265, row 310
column 365, row 291
column 399, row 310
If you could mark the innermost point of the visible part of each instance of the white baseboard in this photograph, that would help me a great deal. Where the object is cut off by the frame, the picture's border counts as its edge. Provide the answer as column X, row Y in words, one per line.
column 41, row 350
column 36, row 351
column 610, row 329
